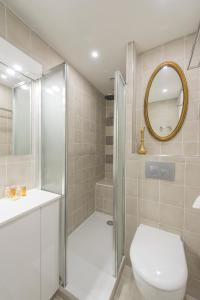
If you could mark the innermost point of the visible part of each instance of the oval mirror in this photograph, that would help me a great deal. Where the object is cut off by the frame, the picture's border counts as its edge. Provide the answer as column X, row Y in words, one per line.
column 166, row 101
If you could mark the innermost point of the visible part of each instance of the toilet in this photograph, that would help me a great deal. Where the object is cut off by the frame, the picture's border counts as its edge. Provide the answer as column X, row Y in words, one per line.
column 159, row 264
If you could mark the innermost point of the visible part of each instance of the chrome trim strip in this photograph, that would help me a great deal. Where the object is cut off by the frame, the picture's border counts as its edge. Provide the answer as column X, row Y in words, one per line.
column 115, row 170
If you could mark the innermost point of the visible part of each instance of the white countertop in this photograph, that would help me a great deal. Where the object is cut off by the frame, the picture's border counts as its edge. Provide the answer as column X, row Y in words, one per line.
column 11, row 209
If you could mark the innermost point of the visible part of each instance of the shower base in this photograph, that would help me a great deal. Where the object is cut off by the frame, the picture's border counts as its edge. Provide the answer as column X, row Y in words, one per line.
column 91, row 259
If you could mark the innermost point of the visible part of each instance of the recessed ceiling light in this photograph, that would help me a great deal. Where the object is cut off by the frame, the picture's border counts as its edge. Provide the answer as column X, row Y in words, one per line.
column 3, row 76
column 95, row 54
column 10, row 72
column 165, row 90
column 17, row 68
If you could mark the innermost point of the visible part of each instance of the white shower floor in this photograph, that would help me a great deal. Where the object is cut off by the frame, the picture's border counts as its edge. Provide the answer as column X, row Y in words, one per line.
column 91, row 259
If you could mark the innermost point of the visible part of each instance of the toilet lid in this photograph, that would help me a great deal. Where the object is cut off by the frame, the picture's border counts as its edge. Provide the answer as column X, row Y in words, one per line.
column 159, row 258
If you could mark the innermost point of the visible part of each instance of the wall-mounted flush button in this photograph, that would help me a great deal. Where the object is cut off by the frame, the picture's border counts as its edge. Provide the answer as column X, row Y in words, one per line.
column 160, row 170
column 154, row 171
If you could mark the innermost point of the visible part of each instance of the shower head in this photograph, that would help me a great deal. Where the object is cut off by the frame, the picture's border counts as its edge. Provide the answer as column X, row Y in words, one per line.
column 109, row 97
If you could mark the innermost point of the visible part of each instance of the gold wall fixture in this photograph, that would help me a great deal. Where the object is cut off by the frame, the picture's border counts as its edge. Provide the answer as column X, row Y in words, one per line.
column 141, row 148
column 152, row 91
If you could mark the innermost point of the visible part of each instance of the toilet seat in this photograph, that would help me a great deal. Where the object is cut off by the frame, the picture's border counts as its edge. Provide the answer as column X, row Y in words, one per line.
column 158, row 257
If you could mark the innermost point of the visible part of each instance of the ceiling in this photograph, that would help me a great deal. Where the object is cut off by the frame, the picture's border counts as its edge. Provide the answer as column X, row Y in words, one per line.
column 76, row 27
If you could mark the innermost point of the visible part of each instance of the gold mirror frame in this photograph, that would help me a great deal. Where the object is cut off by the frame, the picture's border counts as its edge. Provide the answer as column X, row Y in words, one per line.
column 181, row 74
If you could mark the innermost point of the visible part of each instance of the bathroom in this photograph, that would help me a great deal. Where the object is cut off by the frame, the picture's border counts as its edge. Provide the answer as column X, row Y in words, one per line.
column 84, row 162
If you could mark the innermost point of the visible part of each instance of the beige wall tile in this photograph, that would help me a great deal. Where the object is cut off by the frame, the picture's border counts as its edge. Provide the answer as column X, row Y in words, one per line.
column 193, row 288
column 40, row 50
column 149, row 210
column 148, row 222
column 2, row 20
column 149, row 190
column 171, row 148
column 190, row 149
column 21, row 173
column 171, row 215
column 179, row 173
column 193, row 174
column 133, row 168
column 193, row 262
column 171, row 229
column 17, row 32
column 87, row 150
column 131, row 226
column 131, row 205
column 152, row 58
column 172, row 194
column 190, row 131
column 2, row 175
column 191, row 193
column 131, row 187
column 192, row 242
column 174, row 50
column 192, row 221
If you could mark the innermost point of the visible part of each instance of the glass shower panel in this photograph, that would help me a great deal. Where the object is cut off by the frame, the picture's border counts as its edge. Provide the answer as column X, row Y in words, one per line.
column 118, row 168
column 53, row 146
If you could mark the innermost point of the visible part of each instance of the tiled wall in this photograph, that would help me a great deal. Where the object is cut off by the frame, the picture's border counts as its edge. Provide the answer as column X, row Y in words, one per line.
column 109, row 139
column 187, row 141
column 104, row 196
column 24, row 169
column 104, row 188
column 86, row 127
column 163, row 204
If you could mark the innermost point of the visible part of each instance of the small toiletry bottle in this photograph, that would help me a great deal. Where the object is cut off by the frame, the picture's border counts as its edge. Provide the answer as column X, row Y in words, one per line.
column 13, row 192
column 23, row 191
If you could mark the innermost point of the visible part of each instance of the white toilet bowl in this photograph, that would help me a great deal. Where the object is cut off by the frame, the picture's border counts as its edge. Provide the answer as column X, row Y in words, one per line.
column 159, row 264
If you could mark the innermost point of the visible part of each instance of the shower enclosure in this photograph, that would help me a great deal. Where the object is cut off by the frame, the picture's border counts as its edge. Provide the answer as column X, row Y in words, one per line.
column 73, row 124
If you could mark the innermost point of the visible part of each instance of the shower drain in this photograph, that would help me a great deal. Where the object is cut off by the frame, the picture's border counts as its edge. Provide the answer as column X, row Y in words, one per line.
column 109, row 222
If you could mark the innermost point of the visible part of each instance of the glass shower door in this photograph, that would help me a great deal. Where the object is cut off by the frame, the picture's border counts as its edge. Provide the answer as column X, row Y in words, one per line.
column 118, row 169
column 53, row 147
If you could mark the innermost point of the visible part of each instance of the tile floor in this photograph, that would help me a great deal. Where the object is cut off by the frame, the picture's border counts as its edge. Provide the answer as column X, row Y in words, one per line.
column 127, row 289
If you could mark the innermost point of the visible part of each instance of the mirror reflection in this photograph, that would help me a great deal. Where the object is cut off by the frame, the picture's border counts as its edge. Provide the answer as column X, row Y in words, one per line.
column 165, row 102
column 15, row 112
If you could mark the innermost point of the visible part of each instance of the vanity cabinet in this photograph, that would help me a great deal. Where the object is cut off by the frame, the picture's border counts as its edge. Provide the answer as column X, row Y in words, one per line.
column 29, row 254
column 49, row 250
column 20, row 258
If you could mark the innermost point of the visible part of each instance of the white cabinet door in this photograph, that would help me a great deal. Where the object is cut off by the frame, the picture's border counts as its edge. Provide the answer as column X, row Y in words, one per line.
column 49, row 250
column 20, row 258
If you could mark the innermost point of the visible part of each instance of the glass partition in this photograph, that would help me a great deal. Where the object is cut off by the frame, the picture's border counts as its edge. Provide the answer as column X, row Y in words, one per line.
column 118, row 168
column 53, row 147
